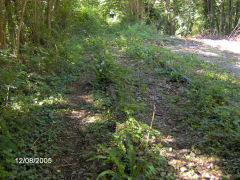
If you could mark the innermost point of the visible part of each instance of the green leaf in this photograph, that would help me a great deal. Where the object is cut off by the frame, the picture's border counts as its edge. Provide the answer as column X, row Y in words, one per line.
column 139, row 168
column 114, row 159
column 106, row 172
column 97, row 157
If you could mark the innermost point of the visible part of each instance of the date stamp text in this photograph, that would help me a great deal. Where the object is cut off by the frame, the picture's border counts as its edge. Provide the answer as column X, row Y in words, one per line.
column 33, row 160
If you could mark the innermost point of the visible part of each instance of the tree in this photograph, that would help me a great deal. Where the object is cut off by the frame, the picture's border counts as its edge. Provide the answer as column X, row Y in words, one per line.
column 2, row 24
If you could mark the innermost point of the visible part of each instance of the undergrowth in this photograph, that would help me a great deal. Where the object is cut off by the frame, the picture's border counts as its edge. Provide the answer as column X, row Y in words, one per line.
column 128, row 155
column 33, row 88
column 211, row 107
column 211, row 96
column 210, row 103
column 32, row 98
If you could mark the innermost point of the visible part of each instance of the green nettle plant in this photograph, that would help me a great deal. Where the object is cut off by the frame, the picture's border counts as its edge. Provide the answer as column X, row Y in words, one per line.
column 126, row 164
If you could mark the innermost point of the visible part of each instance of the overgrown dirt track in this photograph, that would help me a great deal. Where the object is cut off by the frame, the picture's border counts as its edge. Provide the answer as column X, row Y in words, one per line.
column 179, row 145
column 98, row 89
column 90, row 123
column 82, row 133
column 73, row 139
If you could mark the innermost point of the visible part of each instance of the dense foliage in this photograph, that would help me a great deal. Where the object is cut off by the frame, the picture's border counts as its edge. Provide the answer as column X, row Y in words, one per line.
column 214, row 18
column 44, row 45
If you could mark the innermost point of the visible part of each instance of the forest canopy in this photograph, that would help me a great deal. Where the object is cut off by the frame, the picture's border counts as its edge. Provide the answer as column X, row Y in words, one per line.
column 24, row 21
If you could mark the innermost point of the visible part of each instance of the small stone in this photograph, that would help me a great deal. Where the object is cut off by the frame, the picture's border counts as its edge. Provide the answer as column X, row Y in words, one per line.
column 206, row 176
column 211, row 166
column 195, row 176
column 192, row 154
column 183, row 169
column 163, row 174
column 191, row 164
column 173, row 162
column 188, row 174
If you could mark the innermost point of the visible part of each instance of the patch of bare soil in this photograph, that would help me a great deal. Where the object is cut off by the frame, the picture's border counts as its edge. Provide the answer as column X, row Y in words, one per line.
column 225, row 53
column 75, row 140
column 179, row 146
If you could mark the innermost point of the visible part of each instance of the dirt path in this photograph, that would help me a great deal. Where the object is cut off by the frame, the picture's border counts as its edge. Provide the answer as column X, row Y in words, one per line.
column 223, row 52
column 76, row 141
column 179, row 146
column 85, row 128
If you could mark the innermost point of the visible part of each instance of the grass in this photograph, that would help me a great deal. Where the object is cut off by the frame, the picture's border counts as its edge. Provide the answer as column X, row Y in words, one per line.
column 32, row 105
column 210, row 107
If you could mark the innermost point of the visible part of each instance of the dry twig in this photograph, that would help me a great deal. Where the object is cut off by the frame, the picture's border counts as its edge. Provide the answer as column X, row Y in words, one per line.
column 153, row 116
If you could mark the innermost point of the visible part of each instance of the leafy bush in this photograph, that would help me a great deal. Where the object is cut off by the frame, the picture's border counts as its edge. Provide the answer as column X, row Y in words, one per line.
column 128, row 166
column 32, row 107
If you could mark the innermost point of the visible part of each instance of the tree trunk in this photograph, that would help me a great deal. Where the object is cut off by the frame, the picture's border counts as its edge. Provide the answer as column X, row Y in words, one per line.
column 57, row 6
column 221, row 19
column 209, row 14
column 11, row 24
column 169, row 18
column 224, row 19
column 174, row 17
column 229, row 16
column 36, row 27
column 2, row 25
column 237, row 13
column 212, row 16
column 49, row 7
column 191, row 18
column 20, row 26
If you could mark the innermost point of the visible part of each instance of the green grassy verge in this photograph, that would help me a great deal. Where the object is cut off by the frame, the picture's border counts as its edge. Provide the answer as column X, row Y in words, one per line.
column 211, row 95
